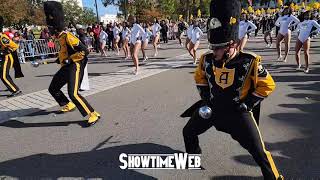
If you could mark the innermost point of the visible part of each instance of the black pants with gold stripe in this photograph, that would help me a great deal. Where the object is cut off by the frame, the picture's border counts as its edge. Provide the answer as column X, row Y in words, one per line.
column 242, row 127
column 71, row 75
column 6, row 64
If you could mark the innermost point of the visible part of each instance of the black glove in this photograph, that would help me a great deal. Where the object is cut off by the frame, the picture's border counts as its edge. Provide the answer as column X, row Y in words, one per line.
column 250, row 102
column 204, row 92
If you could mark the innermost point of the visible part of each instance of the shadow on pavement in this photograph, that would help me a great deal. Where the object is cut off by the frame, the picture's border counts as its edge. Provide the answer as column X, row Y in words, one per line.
column 300, row 157
column 11, row 123
column 19, row 124
column 97, row 163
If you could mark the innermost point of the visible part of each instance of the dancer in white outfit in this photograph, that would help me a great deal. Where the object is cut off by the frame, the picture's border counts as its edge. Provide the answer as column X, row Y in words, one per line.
column 116, row 38
column 145, row 41
column 189, row 35
column 135, row 43
column 125, row 40
column 195, row 41
column 103, row 37
column 304, row 29
column 156, row 36
column 286, row 21
column 244, row 30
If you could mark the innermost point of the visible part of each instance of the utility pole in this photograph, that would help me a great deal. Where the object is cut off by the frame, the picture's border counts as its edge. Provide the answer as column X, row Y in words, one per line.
column 97, row 10
column 125, row 10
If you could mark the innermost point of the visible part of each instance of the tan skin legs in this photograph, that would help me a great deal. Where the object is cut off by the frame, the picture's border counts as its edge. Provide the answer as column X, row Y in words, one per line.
column 116, row 42
column 143, row 48
column 298, row 47
column 134, row 54
column 126, row 48
column 306, row 49
column 155, row 44
column 193, row 50
column 287, row 40
column 243, row 43
column 280, row 38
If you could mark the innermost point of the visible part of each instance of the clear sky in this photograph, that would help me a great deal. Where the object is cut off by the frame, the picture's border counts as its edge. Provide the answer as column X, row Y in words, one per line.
column 102, row 10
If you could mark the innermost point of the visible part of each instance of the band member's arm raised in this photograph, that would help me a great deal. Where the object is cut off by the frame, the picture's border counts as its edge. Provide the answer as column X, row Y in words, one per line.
column 81, row 51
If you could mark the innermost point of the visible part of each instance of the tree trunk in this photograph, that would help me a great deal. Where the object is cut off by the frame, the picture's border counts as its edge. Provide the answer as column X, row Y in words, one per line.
column 188, row 10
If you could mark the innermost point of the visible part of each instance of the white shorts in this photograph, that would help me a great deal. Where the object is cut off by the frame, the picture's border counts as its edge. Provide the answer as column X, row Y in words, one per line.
column 145, row 41
column 117, row 37
column 156, row 35
column 135, row 42
column 103, row 42
column 303, row 39
column 195, row 41
column 125, row 39
column 283, row 33
column 242, row 36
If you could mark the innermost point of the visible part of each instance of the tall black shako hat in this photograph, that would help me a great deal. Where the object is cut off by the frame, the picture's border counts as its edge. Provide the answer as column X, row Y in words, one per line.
column 223, row 24
column 54, row 15
column 1, row 23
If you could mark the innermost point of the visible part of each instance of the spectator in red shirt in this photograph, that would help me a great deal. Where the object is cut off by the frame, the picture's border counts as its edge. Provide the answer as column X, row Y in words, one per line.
column 10, row 33
column 96, row 31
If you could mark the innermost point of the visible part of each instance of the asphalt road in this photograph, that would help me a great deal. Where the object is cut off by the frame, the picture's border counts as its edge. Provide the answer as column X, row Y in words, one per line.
column 143, row 117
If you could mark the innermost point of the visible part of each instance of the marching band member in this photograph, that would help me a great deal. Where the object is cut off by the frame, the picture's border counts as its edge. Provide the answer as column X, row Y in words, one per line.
column 181, row 29
column 8, row 59
column 231, row 84
column 267, row 26
column 286, row 21
column 305, row 29
column 245, row 27
column 135, row 43
column 73, row 59
column 126, row 39
column 156, row 36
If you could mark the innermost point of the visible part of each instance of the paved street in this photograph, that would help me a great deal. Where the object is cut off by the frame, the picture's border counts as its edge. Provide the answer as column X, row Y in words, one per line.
column 140, row 114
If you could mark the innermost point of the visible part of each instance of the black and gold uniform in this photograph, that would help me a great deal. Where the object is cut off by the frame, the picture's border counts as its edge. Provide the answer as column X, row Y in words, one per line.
column 9, row 59
column 231, row 88
column 73, row 59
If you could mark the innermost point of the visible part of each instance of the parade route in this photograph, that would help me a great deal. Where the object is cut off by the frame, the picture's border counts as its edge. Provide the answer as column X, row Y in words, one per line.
column 41, row 100
column 141, row 114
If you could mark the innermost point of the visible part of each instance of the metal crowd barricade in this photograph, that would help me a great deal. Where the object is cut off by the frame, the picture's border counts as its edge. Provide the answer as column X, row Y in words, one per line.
column 42, row 48
column 36, row 48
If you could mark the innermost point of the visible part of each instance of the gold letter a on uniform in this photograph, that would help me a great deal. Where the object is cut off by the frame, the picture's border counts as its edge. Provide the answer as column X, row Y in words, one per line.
column 224, row 77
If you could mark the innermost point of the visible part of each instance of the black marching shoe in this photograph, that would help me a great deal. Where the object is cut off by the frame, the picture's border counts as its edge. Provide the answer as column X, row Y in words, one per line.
column 14, row 94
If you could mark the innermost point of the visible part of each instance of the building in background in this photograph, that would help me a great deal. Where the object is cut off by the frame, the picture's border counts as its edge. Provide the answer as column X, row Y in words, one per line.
column 108, row 18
